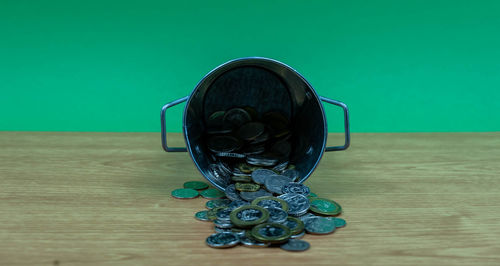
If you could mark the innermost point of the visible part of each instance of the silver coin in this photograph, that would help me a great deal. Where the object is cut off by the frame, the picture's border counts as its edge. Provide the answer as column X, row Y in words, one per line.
column 277, row 215
column 299, row 235
column 232, row 193
column 222, row 224
column 237, row 117
column 259, row 176
column 250, row 196
column 293, row 224
column 223, row 230
column 261, row 139
column 238, row 203
column 280, row 167
column 262, row 160
column 223, row 214
column 201, row 215
column 224, row 168
column 319, row 225
column 297, row 204
column 218, row 144
column 222, row 240
column 296, row 188
column 238, row 231
column 230, row 155
column 306, row 216
column 217, row 203
column 295, row 245
column 292, row 174
column 238, row 172
column 272, row 203
column 255, row 149
column 249, row 242
column 275, row 183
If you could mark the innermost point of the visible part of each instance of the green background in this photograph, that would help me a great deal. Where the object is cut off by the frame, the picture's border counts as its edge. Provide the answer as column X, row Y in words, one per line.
column 401, row 66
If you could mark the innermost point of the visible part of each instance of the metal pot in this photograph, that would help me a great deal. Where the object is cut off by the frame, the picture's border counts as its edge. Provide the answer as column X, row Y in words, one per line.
column 266, row 85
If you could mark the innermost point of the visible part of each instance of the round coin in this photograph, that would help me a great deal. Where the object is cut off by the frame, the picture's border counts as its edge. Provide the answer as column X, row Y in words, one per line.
column 312, row 195
column 241, row 178
column 217, row 203
column 292, row 174
column 271, row 233
column 212, row 193
column 238, row 203
column 280, row 167
column 295, row 224
column 185, row 193
column 276, row 215
column 222, row 224
column 296, row 188
column 320, row 225
column 246, row 168
column 238, row 231
column 211, row 214
column 306, row 216
column 248, row 215
column 198, row 185
column 230, row 155
column 201, row 215
column 276, row 183
column 218, row 144
column 262, row 159
column 297, row 204
column 325, row 206
column 223, row 230
column 237, row 117
column 299, row 235
column 339, row 222
column 259, row 176
column 250, row 242
column 295, row 245
column 222, row 214
column 250, row 196
column 231, row 193
column 222, row 240
column 250, row 187
column 216, row 119
column 271, row 202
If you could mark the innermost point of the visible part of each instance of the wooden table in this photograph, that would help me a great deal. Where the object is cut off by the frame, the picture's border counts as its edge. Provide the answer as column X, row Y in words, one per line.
column 104, row 199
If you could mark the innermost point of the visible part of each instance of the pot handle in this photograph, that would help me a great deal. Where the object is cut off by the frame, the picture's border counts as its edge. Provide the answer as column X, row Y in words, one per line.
column 164, row 126
column 346, row 125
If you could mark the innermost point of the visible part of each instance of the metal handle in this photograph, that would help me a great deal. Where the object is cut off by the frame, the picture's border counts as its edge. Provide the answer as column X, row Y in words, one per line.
column 164, row 125
column 346, row 125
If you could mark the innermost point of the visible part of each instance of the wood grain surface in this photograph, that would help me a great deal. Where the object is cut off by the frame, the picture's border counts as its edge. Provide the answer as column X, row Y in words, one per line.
column 104, row 199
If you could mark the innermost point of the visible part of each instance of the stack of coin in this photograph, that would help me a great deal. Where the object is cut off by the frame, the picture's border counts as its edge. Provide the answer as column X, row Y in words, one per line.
column 240, row 141
column 275, row 219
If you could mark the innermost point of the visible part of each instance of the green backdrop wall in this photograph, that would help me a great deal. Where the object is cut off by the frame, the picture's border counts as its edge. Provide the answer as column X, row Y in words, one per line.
column 401, row 66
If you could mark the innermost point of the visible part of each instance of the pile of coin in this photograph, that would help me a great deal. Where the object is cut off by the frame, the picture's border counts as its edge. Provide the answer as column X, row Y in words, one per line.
column 264, row 202
column 266, row 220
column 240, row 141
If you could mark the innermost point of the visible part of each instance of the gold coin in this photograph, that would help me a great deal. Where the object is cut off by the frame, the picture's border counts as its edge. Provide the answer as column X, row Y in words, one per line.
column 248, row 215
column 248, row 187
column 271, row 233
column 243, row 178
